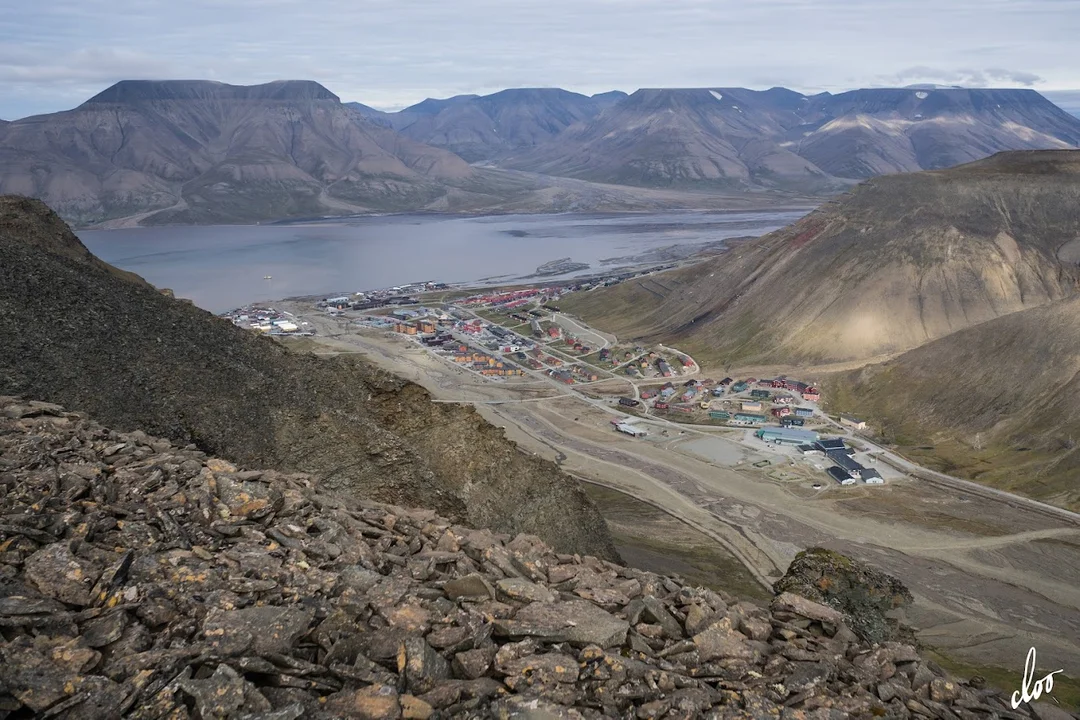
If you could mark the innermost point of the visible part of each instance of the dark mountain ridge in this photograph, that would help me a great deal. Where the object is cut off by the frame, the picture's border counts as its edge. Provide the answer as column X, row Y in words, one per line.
column 78, row 333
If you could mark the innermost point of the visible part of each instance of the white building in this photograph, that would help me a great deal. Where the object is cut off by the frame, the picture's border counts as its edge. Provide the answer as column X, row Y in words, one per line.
column 631, row 430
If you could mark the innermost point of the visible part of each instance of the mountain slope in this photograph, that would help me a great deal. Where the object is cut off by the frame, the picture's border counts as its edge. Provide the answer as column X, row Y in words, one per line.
column 998, row 402
column 78, row 334
column 865, row 133
column 218, row 153
column 897, row 262
column 676, row 137
column 780, row 138
column 486, row 127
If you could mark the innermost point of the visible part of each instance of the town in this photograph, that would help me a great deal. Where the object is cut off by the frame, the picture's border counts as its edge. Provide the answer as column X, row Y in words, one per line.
column 521, row 334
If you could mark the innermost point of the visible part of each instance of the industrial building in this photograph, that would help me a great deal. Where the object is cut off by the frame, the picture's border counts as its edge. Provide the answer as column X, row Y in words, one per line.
column 870, row 476
column 852, row 422
column 840, row 475
column 631, row 430
column 830, row 444
column 845, row 461
column 786, row 436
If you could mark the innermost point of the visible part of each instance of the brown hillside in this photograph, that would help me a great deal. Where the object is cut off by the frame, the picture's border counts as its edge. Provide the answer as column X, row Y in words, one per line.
column 998, row 402
column 897, row 262
column 77, row 334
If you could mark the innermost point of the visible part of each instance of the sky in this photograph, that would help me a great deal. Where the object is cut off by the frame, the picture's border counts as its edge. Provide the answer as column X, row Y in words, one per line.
column 391, row 53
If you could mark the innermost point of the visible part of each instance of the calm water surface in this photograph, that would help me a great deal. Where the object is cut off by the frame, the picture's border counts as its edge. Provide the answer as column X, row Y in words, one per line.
column 223, row 267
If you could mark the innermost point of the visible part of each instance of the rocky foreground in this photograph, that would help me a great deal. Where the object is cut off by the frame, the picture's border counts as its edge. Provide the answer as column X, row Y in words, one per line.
column 143, row 580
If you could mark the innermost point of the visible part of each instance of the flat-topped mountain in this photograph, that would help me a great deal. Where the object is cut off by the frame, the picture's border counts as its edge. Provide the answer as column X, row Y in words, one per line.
column 198, row 151
column 486, row 127
column 899, row 261
column 780, row 138
column 79, row 333
column 136, row 91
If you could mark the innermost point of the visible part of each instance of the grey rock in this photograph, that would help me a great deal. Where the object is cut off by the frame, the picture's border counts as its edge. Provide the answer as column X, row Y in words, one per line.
column 472, row 586
column 575, row 621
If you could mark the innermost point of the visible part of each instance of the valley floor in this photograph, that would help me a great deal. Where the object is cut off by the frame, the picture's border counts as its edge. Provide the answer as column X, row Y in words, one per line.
column 992, row 576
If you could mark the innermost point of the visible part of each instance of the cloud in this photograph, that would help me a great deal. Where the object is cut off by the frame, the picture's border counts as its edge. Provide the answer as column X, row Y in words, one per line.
column 1019, row 77
column 964, row 77
column 390, row 53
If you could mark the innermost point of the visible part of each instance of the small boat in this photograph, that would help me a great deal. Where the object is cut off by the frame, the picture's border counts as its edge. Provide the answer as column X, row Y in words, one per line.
column 268, row 277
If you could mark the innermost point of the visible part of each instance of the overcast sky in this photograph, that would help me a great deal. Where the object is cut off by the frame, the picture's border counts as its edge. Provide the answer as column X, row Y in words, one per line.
column 390, row 53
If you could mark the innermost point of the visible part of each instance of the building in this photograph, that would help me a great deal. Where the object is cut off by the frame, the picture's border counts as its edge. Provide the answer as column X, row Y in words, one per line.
column 870, row 476
column 718, row 392
column 786, row 436
column 811, row 395
column 631, row 430
column 852, row 422
column 840, row 475
column 810, row 451
column 719, row 415
column 847, row 462
column 759, row 394
column 664, row 368
column 792, row 422
column 628, row 402
column 804, row 412
column 781, row 412
column 748, row 419
column 739, row 386
column 830, row 444
column 752, row 406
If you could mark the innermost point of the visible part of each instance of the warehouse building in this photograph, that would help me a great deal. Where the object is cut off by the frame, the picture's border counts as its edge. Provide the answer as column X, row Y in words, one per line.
column 840, row 475
column 786, row 436
column 845, row 461
column 870, row 476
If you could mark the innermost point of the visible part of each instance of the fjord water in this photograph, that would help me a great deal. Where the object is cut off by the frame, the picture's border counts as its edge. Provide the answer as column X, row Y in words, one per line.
column 223, row 267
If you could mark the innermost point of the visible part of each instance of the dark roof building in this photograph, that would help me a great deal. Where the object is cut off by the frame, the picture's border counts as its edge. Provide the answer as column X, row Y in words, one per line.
column 840, row 475
column 829, row 444
column 845, row 461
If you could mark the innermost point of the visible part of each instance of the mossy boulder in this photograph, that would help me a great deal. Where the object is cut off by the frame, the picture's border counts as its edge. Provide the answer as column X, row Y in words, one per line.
column 868, row 598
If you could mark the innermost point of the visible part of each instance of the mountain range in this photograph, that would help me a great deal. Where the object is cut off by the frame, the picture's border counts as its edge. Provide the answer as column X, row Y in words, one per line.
column 156, row 152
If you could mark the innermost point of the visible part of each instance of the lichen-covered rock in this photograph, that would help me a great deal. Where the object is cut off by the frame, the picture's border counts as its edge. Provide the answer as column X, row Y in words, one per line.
column 864, row 595
column 142, row 580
